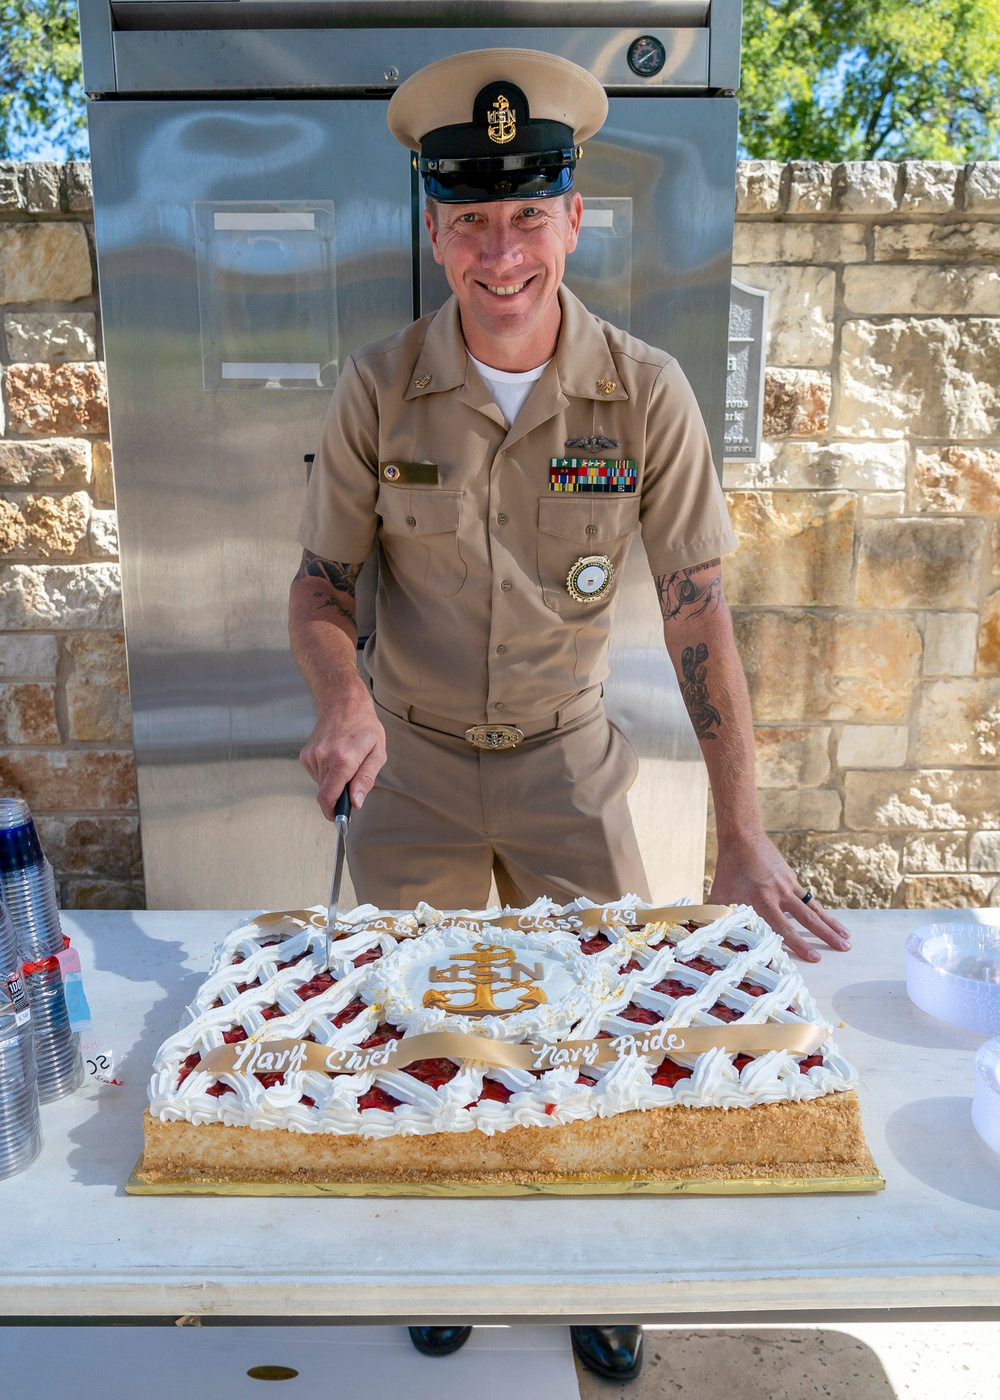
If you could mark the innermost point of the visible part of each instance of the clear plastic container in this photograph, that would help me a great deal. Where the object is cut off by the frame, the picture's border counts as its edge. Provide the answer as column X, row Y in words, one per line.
column 986, row 1100
column 953, row 972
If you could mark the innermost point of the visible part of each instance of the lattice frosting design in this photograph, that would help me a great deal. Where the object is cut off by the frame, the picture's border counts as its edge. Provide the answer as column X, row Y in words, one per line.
column 269, row 981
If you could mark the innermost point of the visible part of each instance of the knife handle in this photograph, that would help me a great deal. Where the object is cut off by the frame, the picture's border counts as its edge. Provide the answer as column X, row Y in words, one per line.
column 343, row 807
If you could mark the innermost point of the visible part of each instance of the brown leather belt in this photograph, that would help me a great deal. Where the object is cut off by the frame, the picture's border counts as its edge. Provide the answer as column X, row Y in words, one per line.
column 491, row 737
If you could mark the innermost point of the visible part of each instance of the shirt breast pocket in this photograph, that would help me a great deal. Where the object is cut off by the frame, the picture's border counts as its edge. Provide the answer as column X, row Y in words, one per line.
column 570, row 529
column 419, row 535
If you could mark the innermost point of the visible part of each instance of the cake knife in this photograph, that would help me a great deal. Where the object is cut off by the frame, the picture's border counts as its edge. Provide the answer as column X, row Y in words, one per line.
column 341, row 816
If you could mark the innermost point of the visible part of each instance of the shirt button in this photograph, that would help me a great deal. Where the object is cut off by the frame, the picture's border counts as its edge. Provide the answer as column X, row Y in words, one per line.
column 501, row 519
column 501, row 649
column 506, row 585
column 591, row 529
column 411, row 520
column 499, row 705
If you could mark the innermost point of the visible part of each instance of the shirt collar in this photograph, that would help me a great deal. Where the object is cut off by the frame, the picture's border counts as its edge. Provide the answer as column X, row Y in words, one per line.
column 583, row 362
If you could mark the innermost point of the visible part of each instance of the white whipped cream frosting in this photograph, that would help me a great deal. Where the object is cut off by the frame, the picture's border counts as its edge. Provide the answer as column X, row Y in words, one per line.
column 585, row 994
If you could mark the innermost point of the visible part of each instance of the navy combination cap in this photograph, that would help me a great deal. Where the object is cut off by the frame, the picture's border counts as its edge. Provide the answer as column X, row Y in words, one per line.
column 497, row 124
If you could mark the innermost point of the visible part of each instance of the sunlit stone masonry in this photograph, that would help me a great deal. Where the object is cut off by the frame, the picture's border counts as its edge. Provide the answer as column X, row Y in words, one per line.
column 866, row 592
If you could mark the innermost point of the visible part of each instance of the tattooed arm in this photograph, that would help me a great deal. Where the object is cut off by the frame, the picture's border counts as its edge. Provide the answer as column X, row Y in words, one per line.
column 347, row 745
column 698, row 632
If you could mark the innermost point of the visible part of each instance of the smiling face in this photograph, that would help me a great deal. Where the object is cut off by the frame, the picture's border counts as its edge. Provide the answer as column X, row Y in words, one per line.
column 504, row 261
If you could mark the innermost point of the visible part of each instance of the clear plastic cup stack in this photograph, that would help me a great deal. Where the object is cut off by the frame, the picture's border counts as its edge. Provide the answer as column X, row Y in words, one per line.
column 20, row 1128
column 28, row 890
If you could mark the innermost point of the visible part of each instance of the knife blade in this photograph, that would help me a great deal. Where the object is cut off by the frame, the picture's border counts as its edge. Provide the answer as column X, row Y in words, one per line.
column 341, row 816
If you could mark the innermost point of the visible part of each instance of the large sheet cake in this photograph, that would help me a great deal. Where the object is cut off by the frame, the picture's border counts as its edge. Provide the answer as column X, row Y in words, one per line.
column 505, row 1049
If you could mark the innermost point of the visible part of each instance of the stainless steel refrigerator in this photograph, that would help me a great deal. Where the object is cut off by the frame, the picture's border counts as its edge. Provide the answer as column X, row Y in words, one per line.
column 255, row 224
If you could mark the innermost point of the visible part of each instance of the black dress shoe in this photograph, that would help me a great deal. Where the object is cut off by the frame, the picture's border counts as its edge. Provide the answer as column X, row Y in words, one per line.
column 439, row 1341
column 612, row 1352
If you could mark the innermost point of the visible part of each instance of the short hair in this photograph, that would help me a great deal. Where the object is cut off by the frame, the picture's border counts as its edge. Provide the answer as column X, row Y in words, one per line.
column 432, row 205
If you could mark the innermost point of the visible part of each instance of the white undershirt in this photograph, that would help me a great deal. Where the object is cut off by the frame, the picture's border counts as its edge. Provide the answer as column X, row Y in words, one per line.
column 509, row 390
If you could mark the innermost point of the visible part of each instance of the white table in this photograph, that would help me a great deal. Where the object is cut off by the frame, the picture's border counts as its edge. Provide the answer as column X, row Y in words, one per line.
column 75, row 1245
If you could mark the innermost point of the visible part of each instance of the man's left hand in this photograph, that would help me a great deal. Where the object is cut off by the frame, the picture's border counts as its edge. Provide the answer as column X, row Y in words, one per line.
column 750, row 870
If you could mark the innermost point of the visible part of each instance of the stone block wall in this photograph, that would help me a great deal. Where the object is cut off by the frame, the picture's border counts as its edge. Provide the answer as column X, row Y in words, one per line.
column 65, row 724
column 866, row 591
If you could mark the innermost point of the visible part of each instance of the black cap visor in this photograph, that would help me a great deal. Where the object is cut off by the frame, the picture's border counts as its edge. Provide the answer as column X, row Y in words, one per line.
column 482, row 179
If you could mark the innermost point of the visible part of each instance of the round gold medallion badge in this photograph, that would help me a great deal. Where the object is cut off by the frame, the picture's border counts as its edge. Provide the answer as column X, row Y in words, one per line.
column 590, row 578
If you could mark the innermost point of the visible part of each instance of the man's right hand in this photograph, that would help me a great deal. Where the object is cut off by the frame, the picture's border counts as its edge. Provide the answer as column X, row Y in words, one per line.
column 346, row 749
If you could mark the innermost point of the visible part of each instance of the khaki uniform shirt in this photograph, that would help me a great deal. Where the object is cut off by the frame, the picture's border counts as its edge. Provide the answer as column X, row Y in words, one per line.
column 474, row 620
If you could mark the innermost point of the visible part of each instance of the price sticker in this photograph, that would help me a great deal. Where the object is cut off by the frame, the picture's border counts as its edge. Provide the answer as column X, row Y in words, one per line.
column 76, row 998
column 13, row 986
column 100, row 1061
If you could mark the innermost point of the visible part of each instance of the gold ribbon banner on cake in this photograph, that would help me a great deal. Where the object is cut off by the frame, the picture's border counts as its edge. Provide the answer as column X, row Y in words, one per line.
column 672, row 914
column 286, row 1056
column 294, row 920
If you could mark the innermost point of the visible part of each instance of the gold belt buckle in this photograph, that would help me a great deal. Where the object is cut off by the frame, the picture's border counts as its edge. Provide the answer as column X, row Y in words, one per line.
column 494, row 736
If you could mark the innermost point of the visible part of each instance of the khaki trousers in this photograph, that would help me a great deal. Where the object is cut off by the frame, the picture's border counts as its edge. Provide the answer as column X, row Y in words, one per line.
column 547, row 818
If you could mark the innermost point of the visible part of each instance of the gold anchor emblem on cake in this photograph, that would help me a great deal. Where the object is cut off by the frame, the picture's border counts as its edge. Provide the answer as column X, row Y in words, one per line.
column 501, row 122
column 489, row 972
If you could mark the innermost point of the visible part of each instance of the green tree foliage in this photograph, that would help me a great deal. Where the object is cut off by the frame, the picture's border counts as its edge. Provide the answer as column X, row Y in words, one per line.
column 871, row 79
column 822, row 79
column 41, row 92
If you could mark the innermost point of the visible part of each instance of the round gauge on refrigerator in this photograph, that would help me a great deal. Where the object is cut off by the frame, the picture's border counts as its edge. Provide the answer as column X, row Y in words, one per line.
column 646, row 56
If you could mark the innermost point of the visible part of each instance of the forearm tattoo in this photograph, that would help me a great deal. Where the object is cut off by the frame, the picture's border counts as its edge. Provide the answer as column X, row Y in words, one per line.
column 695, row 692
column 342, row 578
column 685, row 592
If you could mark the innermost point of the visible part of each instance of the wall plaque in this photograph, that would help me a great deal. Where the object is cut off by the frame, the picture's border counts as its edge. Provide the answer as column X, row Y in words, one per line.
column 745, row 373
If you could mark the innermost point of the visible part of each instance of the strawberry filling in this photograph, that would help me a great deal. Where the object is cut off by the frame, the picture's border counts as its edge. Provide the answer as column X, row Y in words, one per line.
column 315, row 987
column 631, row 966
column 234, row 1036
column 724, row 1013
column 813, row 1062
column 378, row 1098
column 350, row 1012
column 381, row 1036
column 597, row 944
column 752, row 989
column 700, row 964
column 495, row 1092
column 668, row 1073
column 673, row 987
column 642, row 1015
column 741, row 1062
column 372, row 955
column 432, row 1072
column 217, row 1090
column 586, row 1079
column 186, row 1067
column 270, row 1012
column 734, row 947
column 308, row 1101
column 268, row 1081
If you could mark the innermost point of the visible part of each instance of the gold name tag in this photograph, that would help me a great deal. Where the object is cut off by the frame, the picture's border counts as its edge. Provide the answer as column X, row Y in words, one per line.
column 408, row 473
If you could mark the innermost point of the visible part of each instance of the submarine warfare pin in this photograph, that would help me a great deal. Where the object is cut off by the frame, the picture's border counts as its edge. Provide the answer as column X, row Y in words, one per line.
column 590, row 578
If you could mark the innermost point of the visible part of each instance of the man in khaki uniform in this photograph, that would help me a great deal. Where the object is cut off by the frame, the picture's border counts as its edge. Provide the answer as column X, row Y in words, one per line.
column 500, row 455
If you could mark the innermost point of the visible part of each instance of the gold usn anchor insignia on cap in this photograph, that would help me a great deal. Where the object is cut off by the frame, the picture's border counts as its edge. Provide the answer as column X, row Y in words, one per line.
column 501, row 122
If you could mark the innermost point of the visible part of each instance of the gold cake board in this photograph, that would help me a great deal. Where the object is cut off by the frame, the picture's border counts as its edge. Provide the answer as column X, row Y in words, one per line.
column 568, row 1186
